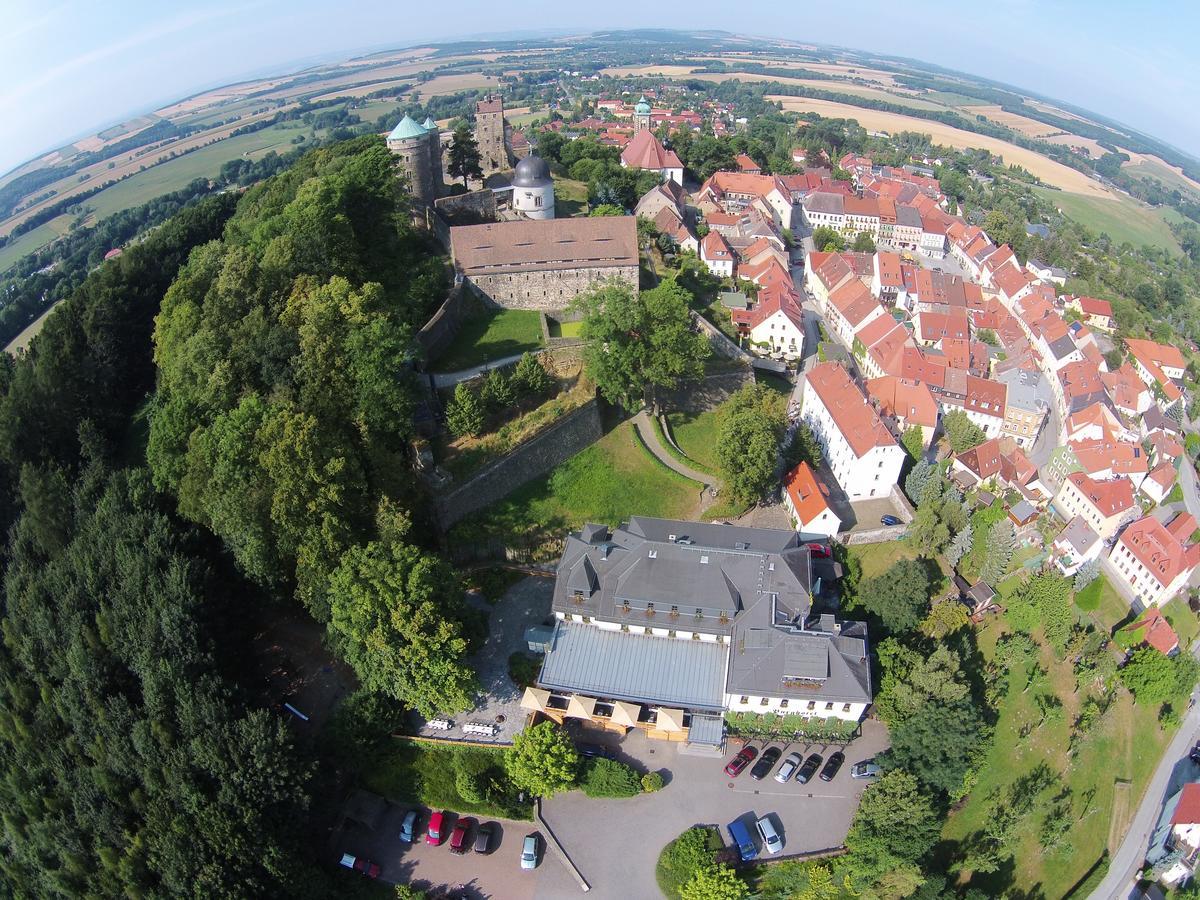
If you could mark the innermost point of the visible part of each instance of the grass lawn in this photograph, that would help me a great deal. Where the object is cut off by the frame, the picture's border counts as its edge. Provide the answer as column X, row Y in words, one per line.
column 1122, row 220
column 570, row 198
column 609, row 481
column 489, row 335
column 876, row 559
column 719, row 316
column 1105, row 605
column 425, row 773
column 696, row 435
column 32, row 241
column 777, row 383
column 564, row 329
column 1105, row 780
column 1183, row 620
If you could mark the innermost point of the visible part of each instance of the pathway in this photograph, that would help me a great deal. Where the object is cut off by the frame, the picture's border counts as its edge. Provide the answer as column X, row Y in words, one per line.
column 449, row 379
column 649, row 437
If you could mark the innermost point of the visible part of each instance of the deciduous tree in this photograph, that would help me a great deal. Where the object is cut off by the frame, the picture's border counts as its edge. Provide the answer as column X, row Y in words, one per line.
column 543, row 760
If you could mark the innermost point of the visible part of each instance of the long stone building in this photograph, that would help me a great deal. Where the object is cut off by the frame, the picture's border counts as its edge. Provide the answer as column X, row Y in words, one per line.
column 544, row 265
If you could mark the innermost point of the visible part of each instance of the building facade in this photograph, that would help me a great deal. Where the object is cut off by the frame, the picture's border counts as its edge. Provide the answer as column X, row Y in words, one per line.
column 489, row 134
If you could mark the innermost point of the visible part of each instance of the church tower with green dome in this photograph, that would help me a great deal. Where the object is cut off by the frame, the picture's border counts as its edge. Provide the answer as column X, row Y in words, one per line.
column 641, row 115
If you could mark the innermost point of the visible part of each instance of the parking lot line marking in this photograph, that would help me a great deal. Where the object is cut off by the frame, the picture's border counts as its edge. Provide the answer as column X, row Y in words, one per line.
column 787, row 794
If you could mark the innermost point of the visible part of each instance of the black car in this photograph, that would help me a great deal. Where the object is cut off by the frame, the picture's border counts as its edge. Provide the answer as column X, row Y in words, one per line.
column 765, row 763
column 483, row 838
column 832, row 766
column 1194, row 756
column 594, row 751
column 809, row 769
column 889, row 520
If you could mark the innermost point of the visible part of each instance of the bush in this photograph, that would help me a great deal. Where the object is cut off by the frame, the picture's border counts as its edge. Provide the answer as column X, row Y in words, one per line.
column 523, row 669
column 493, row 582
column 681, row 859
column 609, row 778
column 651, row 782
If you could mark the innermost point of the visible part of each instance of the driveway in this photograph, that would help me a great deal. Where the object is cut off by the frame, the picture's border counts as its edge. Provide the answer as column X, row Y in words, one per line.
column 616, row 843
column 497, row 874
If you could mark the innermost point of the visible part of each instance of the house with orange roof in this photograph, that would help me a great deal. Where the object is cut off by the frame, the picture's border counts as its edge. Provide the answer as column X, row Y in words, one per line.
column 823, row 274
column 1094, row 423
column 1003, row 258
column 775, row 323
column 1154, row 560
column 1105, row 458
column 747, row 166
column 1175, row 841
column 734, row 191
column 933, row 327
column 1129, row 394
column 1153, row 630
column 862, row 453
column 886, row 280
column 1158, row 364
column 1011, row 284
column 883, row 341
column 933, row 231
column 1104, row 505
column 908, row 404
column 1096, row 312
column 646, row 151
column 850, row 308
column 716, row 253
column 1159, row 482
column 809, row 503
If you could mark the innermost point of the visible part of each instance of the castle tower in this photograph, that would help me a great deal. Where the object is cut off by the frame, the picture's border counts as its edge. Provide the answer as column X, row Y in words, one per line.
column 533, row 188
column 435, row 156
column 489, row 134
column 411, row 143
column 641, row 115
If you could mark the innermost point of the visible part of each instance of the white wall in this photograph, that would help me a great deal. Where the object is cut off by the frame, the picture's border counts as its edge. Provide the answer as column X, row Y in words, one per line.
column 850, row 712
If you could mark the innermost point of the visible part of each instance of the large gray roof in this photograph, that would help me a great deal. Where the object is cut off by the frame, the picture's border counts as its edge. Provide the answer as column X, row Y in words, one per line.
column 639, row 668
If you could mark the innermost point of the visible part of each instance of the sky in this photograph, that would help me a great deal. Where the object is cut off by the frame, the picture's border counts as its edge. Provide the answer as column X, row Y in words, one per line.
column 70, row 67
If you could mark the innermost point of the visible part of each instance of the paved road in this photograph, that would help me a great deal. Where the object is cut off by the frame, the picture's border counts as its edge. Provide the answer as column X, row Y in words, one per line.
column 449, row 379
column 650, row 437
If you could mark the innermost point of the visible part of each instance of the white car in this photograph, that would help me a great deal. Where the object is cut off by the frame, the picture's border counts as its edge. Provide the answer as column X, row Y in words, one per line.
column 788, row 769
column 771, row 840
column 529, row 851
column 865, row 769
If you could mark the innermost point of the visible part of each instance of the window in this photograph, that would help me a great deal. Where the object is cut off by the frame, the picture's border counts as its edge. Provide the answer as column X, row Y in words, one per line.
column 846, row 707
column 812, row 704
column 745, row 701
column 828, row 707
column 783, row 704
column 764, row 702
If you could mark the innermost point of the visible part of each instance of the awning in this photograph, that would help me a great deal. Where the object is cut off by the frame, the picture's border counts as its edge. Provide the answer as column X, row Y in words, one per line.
column 626, row 713
column 535, row 699
column 580, row 707
column 669, row 719
column 708, row 730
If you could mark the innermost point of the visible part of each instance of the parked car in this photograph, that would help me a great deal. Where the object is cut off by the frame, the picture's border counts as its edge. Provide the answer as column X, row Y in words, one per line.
column 361, row 865
column 529, row 851
column 742, row 840
column 745, row 756
column 819, row 550
column 865, row 769
column 889, row 520
column 483, row 837
column 833, row 765
column 408, row 828
column 1194, row 756
column 458, row 837
column 771, row 840
column 809, row 769
column 789, row 767
column 594, row 751
column 765, row 763
column 433, row 835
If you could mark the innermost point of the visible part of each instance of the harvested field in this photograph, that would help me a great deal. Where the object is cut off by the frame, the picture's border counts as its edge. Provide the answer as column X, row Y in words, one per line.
column 1024, row 125
column 639, row 71
column 844, row 87
column 450, row 84
column 1152, row 166
column 1074, row 140
column 1043, row 167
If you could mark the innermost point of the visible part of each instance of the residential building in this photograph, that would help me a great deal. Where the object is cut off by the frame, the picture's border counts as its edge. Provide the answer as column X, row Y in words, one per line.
column 1161, row 366
column 775, row 323
column 1040, row 270
column 1175, row 841
column 1096, row 312
column 1104, row 505
column 1159, row 482
column 1027, row 405
column 1155, row 631
column 910, row 404
column 861, row 451
column 716, row 253
column 664, row 625
column 646, row 151
column 1154, row 560
column 1075, row 545
column 809, row 503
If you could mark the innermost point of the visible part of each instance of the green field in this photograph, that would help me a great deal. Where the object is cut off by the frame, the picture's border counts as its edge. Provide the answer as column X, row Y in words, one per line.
column 490, row 335
column 951, row 99
column 203, row 163
column 1122, row 219
column 696, row 435
column 564, row 329
column 1123, row 747
column 1100, row 599
column 608, row 482
column 570, row 198
column 525, row 118
column 32, row 241
column 1172, row 180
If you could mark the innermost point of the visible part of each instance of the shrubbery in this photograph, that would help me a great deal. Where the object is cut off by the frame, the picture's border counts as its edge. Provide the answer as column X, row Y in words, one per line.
column 609, row 778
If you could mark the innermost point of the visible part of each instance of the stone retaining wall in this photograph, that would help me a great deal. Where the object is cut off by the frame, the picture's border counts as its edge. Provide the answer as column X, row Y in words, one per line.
column 443, row 325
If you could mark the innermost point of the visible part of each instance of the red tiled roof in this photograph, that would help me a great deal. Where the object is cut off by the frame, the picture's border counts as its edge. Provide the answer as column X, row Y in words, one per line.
column 1160, row 548
column 746, row 164
column 910, row 401
column 714, row 247
column 1094, row 306
column 1108, row 497
column 1158, row 633
column 646, row 151
column 809, row 495
column 1188, row 810
column 858, row 422
column 888, row 267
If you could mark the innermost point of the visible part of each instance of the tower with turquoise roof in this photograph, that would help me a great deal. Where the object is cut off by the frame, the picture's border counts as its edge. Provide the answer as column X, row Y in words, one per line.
column 641, row 115
column 419, row 152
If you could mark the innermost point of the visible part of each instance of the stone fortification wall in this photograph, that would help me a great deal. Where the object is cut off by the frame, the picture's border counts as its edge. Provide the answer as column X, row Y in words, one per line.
column 550, row 290
column 474, row 208
column 443, row 325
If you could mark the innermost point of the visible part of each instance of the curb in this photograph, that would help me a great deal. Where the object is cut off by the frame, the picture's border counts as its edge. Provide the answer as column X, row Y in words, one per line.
column 552, row 840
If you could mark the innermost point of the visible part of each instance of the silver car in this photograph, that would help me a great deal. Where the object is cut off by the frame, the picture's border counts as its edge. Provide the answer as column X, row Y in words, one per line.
column 865, row 769
column 529, row 851
column 771, row 840
column 788, row 769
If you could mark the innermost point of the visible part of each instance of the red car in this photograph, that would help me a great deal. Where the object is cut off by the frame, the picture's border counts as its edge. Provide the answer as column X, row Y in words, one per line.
column 458, row 837
column 735, row 766
column 433, row 834
column 360, row 864
column 819, row 550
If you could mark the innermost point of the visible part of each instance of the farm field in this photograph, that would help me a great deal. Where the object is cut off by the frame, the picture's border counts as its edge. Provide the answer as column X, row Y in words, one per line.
column 32, row 241
column 490, row 335
column 22, row 340
column 1015, row 121
column 1123, row 747
column 1121, row 218
column 1154, row 167
column 603, row 483
column 1043, row 167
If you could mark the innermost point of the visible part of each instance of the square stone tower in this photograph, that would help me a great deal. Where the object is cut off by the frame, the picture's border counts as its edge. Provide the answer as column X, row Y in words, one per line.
column 489, row 134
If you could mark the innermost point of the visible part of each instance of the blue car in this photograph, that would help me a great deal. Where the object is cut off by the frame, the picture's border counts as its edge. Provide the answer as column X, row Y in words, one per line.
column 889, row 520
column 742, row 840
column 408, row 828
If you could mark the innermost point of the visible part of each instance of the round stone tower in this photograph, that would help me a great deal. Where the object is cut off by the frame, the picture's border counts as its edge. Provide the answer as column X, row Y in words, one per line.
column 435, row 156
column 533, row 188
column 411, row 143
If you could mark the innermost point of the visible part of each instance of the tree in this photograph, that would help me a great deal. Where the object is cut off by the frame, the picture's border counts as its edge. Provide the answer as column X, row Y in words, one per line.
column 962, row 433
column 498, row 391
column 960, row 546
column 543, row 760
column 938, row 745
column 717, row 882
column 899, row 597
column 1000, row 544
column 944, row 619
column 1043, row 600
column 895, row 825
column 828, row 240
column 927, row 532
column 913, row 681
column 804, row 447
column 751, row 425
column 609, row 778
column 913, row 441
column 531, row 377
column 464, row 412
column 918, row 477
column 863, row 243
column 463, row 159
column 1087, row 573
column 988, row 337
column 1154, row 678
column 632, row 340
column 606, row 209
column 396, row 619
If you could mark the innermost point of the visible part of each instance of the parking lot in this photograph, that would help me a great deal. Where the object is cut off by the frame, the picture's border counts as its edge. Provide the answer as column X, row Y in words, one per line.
column 615, row 843
column 497, row 874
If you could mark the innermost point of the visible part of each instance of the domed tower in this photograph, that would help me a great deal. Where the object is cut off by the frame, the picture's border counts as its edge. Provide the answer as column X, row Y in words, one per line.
column 435, row 155
column 410, row 142
column 641, row 115
column 533, row 188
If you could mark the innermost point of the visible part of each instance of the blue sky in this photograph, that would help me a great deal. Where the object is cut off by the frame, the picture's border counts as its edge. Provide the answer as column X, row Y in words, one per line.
column 68, row 67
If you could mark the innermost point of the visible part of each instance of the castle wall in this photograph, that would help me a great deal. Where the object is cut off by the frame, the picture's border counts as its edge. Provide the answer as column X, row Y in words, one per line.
column 549, row 290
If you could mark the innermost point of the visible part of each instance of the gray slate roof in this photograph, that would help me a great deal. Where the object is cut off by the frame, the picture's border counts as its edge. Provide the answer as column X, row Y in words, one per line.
column 639, row 668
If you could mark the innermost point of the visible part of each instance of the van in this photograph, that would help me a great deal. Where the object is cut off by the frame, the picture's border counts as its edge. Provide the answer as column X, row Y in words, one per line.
column 742, row 840
column 772, row 842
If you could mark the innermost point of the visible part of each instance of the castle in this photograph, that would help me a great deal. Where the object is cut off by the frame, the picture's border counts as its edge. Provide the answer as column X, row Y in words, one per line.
column 419, row 149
